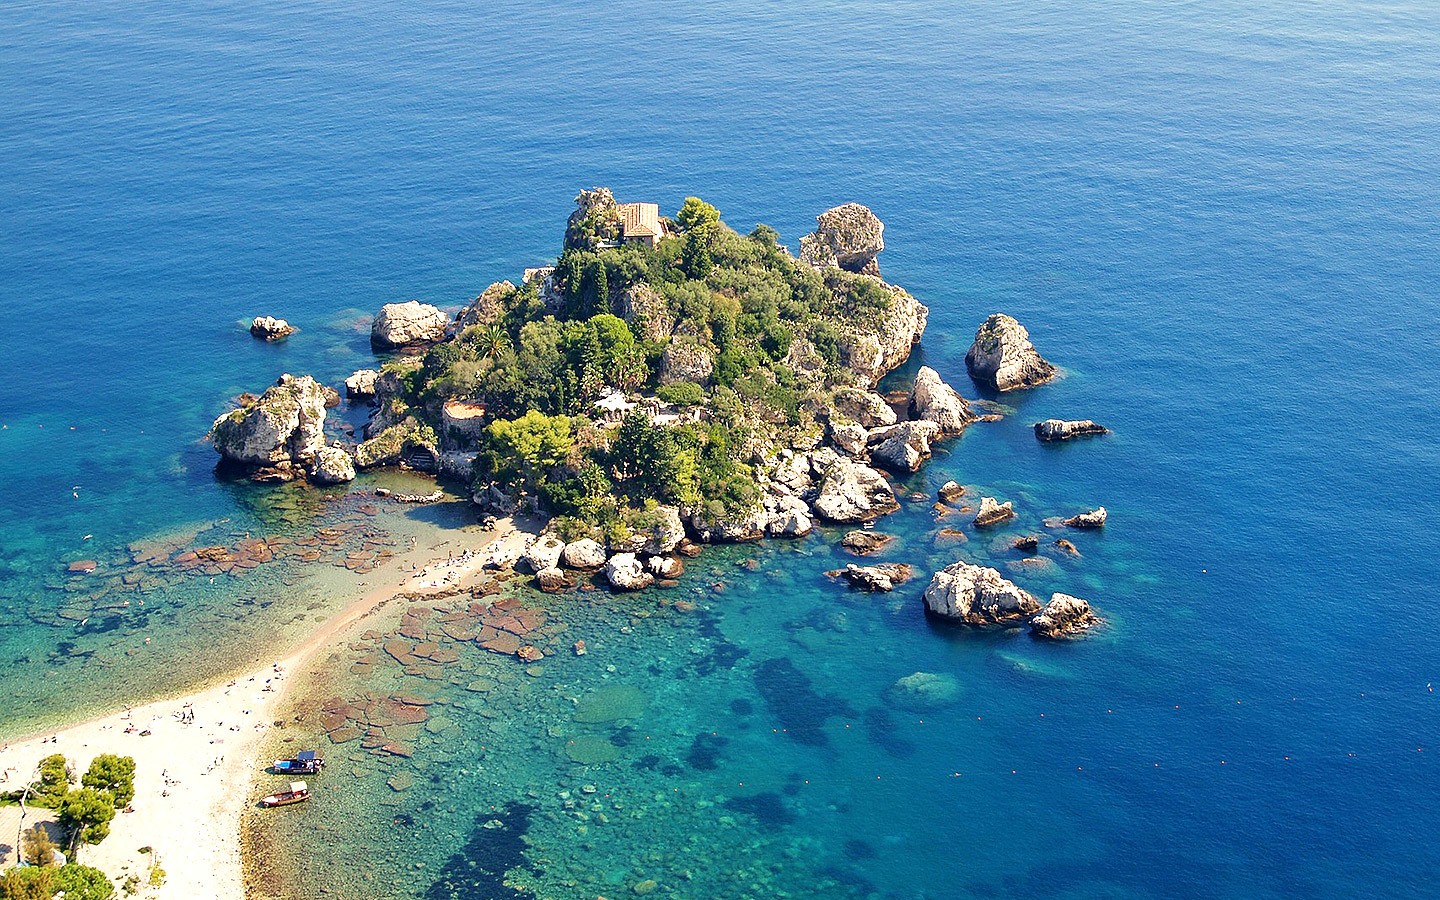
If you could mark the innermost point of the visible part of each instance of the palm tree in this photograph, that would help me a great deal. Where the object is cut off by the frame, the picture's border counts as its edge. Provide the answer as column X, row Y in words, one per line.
column 492, row 341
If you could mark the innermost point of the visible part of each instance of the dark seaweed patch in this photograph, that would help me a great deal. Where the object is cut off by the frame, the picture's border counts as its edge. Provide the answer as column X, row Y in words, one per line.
column 704, row 752
column 769, row 810
column 792, row 699
column 742, row 707
column 880, row 728
column 478, row 870
column 858, row 849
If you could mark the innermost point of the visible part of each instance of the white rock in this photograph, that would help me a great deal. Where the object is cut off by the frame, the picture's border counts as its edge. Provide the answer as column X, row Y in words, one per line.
column 407, row 324
column 1003, row 358
column 544, row 552
column 853, row 492
column 624, row 571
column 583, row 554
column 977, row 595
column 332, row 465
column 935, row 401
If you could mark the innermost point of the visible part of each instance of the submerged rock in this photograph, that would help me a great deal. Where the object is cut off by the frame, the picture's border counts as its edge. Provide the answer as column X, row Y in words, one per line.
column 1093, row 519
column 1003, row 358
column 269, row 328
column 863, row 542
column 933, row 400
column 1063, row 617
column 1052, row 430
column 977, row 595
column 408, row 324
column 924, row 691
column 848, row 236
column 993, row 512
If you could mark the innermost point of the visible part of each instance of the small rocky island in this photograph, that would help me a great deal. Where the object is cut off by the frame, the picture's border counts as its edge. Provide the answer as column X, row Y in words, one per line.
column 667, row 382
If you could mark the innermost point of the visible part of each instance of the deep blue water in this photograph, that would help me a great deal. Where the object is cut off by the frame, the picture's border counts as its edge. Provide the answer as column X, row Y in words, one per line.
column 1221, row 218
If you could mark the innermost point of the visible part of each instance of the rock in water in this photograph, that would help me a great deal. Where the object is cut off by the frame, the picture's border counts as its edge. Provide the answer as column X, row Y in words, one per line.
column 849, row 237
column 882, row 577
column 625, row 571
column 286, row 425
column 977, row 595
column 933, row 400
column 361, row 385
column 903, row 447
column 553, row 581
column 1063, row 617
column 951, row 491
column 864, row 543
column 332, row 465
column 924, row 691
column 1063, row 430
column 544, row 552
column 852, row 492
column 269, row 328
column 1003, row 358
column 1093, row 519
column 409, row 324
column 583, row 554
column 993, row 512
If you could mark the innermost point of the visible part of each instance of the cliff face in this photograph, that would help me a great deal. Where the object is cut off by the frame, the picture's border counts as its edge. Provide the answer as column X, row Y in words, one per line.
column 875, row 348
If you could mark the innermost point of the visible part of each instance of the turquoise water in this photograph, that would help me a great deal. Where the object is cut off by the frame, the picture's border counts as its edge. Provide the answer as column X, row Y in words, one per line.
column 1219, row 218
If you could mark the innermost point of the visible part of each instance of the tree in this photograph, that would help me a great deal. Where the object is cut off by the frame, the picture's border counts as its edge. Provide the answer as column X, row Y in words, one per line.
column 492, row 340
column 114, row 775
column 82, row 883
column 531, row 443
column 37, row 848
column 700, row 221
column 54, row 783
column 87, row 813
column 29, row 883
column 696, row 213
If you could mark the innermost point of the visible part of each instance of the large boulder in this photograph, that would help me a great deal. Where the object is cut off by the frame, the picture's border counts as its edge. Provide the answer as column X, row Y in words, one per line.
column 554, row 581
column 410, row 324
column 1095, row 518
column 626, row 572
column 332, row 465
column 1063, row 617
column 269, row 328
column 748, row 525
column 866, row 408
column 977, row 595
column 863, row 542
column 584, row 554
column 850, row 439
column 853, row 492
column 993, row 512
column 932, row 400
column 791, row 522
column 544, row 552
column 487, row 308
column 1052, row 430
column 874, row 348
column 286, row 424
column 877, row 578
column 903, row 447
column 1003, row 358
column 849, row 237
column 361, row 385
column 685, row 359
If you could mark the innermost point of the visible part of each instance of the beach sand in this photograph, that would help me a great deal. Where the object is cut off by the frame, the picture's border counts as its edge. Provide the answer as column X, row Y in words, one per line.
column 194, row 777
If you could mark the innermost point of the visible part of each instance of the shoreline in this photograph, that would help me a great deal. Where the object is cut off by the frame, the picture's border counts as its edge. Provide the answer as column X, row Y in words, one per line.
column 193, row 779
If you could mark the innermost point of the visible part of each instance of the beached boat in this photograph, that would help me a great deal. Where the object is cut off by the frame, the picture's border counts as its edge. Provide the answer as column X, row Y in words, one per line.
column 298, row 793
column 304, row 763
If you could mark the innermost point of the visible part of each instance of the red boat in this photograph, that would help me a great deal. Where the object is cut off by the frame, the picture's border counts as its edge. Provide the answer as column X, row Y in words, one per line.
column 299, row 792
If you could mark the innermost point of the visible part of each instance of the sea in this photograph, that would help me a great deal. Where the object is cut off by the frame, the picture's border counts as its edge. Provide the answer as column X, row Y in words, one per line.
column 1221, row 219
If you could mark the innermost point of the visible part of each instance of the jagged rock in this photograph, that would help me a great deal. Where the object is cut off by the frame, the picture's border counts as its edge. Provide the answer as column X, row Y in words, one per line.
column 269, row 328
column 863, row 542
column 584, row 554
column 665, row 566
column 554, row 581
column 903, row 447
column 487, row 308
column 924, row 691
column 332, row 396
column 390, row 445
column 787, row 516
column 1095, row 518
column 685, row 359
column 792, row 472
column 407, row 324
column 544, row 552
column 882, row 577
column 663, row 532
column 646, row 311
column 332, row 465
column 1066, row 547
column 389, row 397
column 993, row 512
column 458, row 464
column 1029, row 543
column 746, row 526
column 1063, row 617
column 1003, row 358
column 852, row 492
column 867, row 408
column 596, row 220
column 495, row 499
column 933, row 400
column 848, row 237
column 977, row 595
column 951, row 491
column 624, row 571
column 873, row 348
column 849, row 439
column 1063, row 430
column 286, row 424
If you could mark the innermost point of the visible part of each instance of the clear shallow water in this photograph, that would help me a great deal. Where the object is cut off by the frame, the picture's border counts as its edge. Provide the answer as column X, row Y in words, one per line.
column 1221, row 220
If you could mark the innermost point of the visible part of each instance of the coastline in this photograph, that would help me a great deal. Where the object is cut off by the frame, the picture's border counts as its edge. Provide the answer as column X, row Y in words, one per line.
column 193, row 779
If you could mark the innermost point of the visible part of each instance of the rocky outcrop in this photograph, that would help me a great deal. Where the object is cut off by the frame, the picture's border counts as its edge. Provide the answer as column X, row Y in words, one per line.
column 1095, row 518
column 544, row 552
column 286, row 425
column 875, row 348
column 736, row 528
column 790, row 520
column 1064, row 617
column 554, row 581
column 662, row 531
column 269, row 328
column 361, row 385
column 596, row 220
column 584, row 554
column 852, row 493
column 685, row 359
column 646, row 311
column 878, row 578
column 977, row 595
column 932, row 400
column 849, row 237
column 850, row 439
column 993, row 512
column 1003, row 358
column 903, row 447
column 866, row 408
column 1052, row 430
column 410, row 324
column 951, row 491
column 332, row 465
column 863, row 542
column 487, row 308
column 626, row 572
column 665, row 567
column 391, row 445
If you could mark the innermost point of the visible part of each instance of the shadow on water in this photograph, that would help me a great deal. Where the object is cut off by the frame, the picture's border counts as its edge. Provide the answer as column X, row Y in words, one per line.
column 496, row 846
column 792, row 699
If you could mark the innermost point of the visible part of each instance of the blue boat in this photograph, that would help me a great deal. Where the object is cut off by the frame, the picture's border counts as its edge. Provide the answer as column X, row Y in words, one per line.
column 304, row 763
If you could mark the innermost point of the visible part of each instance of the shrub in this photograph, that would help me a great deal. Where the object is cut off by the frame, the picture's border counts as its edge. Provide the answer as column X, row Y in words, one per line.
column 681, row 393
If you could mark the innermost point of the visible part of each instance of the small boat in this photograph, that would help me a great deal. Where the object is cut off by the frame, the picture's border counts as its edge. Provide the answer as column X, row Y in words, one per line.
column 304, row 763
column 299, row 792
